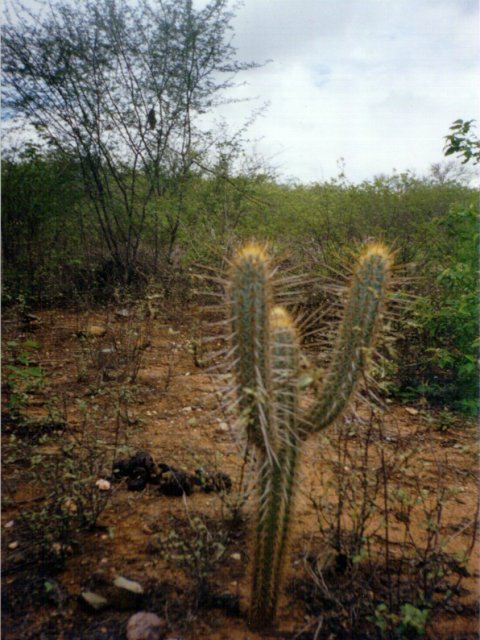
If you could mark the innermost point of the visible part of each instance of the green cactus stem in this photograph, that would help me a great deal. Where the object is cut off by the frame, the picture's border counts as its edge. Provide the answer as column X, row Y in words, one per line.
column 366, row 296
column 266, row 367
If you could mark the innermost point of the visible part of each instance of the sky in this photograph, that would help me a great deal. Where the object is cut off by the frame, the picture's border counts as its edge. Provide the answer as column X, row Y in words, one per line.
column 375, row 82
column 368, row 85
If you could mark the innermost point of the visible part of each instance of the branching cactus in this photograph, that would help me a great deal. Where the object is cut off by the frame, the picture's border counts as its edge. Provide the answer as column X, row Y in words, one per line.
column 266, row 365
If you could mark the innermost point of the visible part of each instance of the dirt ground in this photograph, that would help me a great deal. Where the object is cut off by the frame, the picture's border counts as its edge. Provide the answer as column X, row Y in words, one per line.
column 172, row 412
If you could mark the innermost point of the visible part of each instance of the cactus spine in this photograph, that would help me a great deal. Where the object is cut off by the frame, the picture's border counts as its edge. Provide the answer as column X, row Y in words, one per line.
column 266, row 356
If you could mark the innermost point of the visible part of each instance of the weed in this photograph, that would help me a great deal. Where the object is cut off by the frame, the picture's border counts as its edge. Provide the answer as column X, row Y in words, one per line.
column 24, row 376
column 381, row 518
column 197, row 548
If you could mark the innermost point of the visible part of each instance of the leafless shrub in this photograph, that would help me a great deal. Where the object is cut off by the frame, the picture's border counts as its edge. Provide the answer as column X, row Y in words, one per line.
column 385, row 559
column 114, row 350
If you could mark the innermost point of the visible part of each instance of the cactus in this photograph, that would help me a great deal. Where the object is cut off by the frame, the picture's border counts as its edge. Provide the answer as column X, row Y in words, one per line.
column 266, row 367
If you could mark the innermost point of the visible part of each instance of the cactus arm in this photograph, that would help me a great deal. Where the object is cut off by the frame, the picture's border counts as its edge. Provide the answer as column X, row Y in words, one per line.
column 249, row 299
column 355, row 337
column 276, row 480
column 286, row 371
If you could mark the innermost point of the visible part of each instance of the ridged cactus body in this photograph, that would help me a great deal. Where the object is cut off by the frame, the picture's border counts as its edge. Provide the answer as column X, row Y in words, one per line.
column 266, row 363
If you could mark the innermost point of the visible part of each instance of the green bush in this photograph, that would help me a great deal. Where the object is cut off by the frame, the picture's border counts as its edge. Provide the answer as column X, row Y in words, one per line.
column 444, row 345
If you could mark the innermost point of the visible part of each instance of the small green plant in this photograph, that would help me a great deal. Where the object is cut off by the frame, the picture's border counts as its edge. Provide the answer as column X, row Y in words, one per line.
column 197, row 549
column 23, row 376
column 62, row 472
column 266, row 363
column 409, row 623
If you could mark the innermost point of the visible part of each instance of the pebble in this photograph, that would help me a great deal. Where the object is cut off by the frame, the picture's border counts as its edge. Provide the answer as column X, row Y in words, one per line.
column 13, row 545
column 236, row 556
column 127, row 594
column 144, row 626
column 103, row 485
column 94, row 600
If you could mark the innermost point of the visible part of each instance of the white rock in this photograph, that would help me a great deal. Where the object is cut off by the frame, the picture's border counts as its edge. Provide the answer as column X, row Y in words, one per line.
column 103, row 485
column 94, row 600
column 129, row 585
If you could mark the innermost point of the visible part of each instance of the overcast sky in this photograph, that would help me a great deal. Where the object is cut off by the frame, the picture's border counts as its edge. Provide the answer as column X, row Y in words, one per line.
column 377, row 82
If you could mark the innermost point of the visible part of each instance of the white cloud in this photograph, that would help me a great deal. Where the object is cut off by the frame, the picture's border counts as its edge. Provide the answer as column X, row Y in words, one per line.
column 375, row 82
column 378, row 83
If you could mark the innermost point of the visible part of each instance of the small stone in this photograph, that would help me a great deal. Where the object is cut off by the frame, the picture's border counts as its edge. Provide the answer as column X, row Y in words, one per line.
column 94, row 600
column 96, row 331
column 411, row 411
column 223, row 427
column 70, row 505
column 127, row 594
column 13, row 545
column 103, row 485
column 9, row 524
column 129, row 585
column 236, row 556
column 144, row 626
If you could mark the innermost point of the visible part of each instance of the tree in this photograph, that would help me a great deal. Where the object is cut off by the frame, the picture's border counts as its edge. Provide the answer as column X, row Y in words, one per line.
column 119, row 86
column 462, row 142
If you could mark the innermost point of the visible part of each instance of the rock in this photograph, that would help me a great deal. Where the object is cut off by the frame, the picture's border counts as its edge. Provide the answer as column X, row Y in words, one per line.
column 70, row 505
column 223, row 428
column 122, row 313
column 126, row 594
column 30, row 317
column 96, row 331
column 412, row 411
column 103, row 485
column 94, row 600
column 13, row 545
column 145, row 626
column 236, row 556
